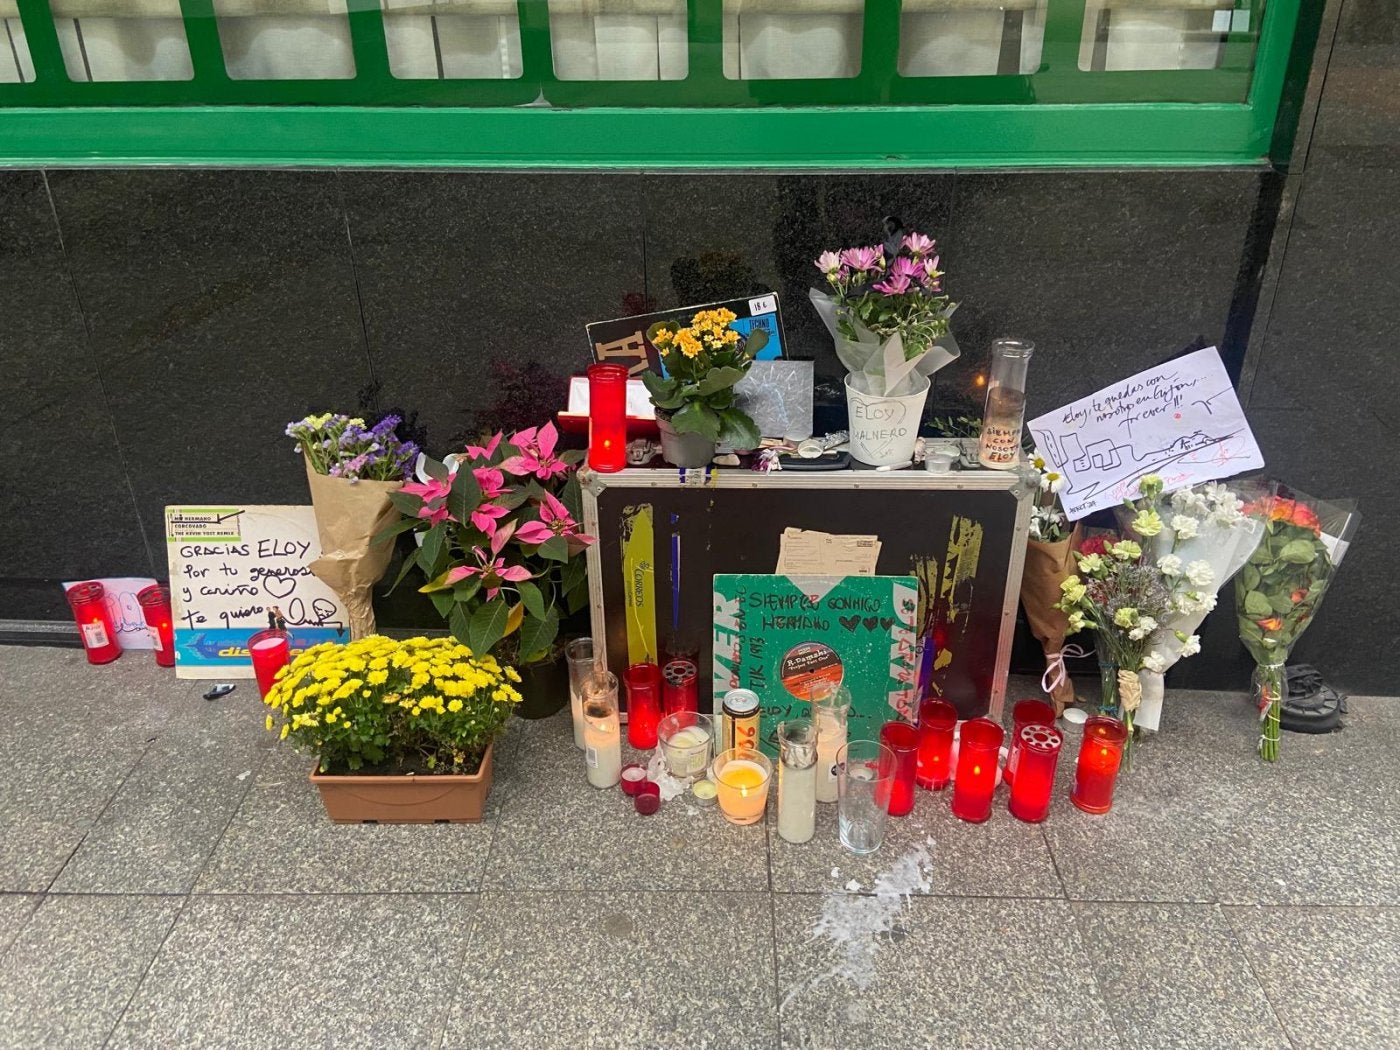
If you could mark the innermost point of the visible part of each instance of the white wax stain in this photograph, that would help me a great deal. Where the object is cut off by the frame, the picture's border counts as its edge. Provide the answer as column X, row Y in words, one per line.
column 669, row 785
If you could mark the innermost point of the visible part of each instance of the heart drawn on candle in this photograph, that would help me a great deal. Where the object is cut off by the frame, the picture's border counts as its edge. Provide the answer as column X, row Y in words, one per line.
column 279, row 586
column 871, row 622
column 849, row 622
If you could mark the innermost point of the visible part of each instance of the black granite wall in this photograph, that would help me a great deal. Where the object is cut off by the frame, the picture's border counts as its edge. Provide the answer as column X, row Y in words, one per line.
column 159, row 328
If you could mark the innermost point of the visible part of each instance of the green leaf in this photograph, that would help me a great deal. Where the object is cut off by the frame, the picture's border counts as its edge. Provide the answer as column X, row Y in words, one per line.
column 460, row 624
column 666, row 394
column 1298, row 552
column 512, row 499
column 408, row 504
column 737, row 430
column 1250, row 630
column 432, row 547
column 438, row 583
column 572, row 497
column 383, row 535
column 442, row 602
column 719, row 379
column 575, row 571
column 407, row 566
column 1257, row 605
column 576, row 599
column 435, row 469
column 538, row 633
column 466, row 590
column 697, row 418
column 1281, row 603
column 756, row 341
column 533, row 599
column 556, row 548
column 1249, row 578
column 488, row 626
column 465, row 496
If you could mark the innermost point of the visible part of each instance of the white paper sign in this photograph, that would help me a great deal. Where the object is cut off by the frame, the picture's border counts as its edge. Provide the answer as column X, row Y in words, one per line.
column 1180, row 420
column 127, row 618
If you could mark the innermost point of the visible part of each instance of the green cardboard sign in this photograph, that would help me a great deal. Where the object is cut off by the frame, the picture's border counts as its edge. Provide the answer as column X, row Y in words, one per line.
column 777, row 635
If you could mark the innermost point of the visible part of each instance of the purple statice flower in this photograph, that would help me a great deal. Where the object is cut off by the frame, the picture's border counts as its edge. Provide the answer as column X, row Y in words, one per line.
column 896, row 284
column 385, row 427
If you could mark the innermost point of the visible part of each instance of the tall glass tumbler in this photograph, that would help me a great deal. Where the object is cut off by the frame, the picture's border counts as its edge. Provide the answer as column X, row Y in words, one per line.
column 643, row 683
column 1024, row 713
column 602, row 736
column 680, row 680
column 999, row 447
column 864, row 775
column 979, row 749
column 797, row 779
column 937, row 721
column 607, row 417
column 830, row 708
column 903, row 741
column 582, row 657
column 1100, row 755
column 1035, row 777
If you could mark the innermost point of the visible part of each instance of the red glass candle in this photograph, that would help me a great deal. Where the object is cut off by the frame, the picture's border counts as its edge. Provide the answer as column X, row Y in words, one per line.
column 679, row 687
column 903, row 740
column 1100, row 754
column 270, row 651
column 1025, row 713
column 647, row 798
column 633, row 777
column 979, row 748
column 155, row 607
column 1039, row 746
column 643, row 683
column 607, row 417
column 89, row 602
column 937, row 720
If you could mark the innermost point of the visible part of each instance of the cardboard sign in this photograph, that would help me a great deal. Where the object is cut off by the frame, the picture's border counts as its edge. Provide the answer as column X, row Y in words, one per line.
column 238, row 570
column 128, row 621
column 1180, row 420
column 778, row 635
column 623, row 340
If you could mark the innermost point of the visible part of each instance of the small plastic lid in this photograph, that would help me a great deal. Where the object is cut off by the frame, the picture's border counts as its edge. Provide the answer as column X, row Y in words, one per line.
column 647, row 799
column 1041, row 738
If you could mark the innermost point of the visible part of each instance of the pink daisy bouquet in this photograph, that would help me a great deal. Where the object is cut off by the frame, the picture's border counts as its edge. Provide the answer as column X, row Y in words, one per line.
column 499, row 541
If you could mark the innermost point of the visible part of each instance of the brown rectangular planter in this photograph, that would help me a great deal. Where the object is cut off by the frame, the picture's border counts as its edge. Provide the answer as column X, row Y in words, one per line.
column 416, row 799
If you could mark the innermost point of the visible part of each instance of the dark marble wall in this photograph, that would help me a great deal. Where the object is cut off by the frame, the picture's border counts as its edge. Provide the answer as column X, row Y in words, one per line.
column 158, row 328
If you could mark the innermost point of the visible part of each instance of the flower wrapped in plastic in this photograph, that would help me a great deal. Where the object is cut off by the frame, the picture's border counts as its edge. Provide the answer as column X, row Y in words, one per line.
column 1278, row 591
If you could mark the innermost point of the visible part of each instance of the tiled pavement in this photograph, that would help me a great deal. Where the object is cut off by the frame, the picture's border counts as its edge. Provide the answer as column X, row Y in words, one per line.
column 167, row 879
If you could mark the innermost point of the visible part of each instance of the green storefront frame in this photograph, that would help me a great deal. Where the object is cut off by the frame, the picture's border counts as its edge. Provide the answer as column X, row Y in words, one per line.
column 877, row 120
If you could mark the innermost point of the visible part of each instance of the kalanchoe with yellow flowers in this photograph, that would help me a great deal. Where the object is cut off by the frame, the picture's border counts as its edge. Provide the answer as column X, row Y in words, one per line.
column 703, row 362
column 425, row 705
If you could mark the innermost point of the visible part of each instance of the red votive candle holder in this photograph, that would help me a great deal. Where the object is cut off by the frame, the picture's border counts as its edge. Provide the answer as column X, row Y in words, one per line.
column 979, row 748
column 633, row 777
column 270, row 651
column 1024, row 713
column 607, row 417
column 643, row 683
column 1039, row 746
column 937, row 720
column 680, row 687
column 903, row 740
column 647, row 799
column 89, row 603
column 1100, row 755
column 155, row 607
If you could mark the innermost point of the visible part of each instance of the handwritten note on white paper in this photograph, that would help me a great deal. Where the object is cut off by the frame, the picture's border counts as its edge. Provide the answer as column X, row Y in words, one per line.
column 802, row 552
column 1180, row 420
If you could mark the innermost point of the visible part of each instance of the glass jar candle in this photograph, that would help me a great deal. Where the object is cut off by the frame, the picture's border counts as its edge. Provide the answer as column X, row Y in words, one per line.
column 687, row 741
column 607, row 417
column 742, row 777
column 1039, row 747
column 99, row 637
column 864, row 773
column 979, row 748
column 602, row 735
column 583, row 661
column 270, row 651
column 643, row 683
column 1025, row 713
column 830, row 710
column 797, row 780
column 680, row 686
column 903, row 741
column 155, row 607
column 999, row 447
column 937, row 721
column 1100, row 755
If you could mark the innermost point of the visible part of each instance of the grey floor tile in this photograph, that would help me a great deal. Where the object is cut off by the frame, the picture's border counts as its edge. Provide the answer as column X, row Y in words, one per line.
column 15, row 908
column 73, row 967
column 557, row 832
column 283, row 971
column 1174, row 977
column 281, row 841
column 159, row 829
column 1001, row 857
column 969, row 973
column 658, row 970
column 1331, row 973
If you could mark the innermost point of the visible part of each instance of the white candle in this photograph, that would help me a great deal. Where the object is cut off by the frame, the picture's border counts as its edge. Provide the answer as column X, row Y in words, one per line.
column 602, row 752
column 576, row 705
column 797, row 802
column 687, row 752
column 831, row 738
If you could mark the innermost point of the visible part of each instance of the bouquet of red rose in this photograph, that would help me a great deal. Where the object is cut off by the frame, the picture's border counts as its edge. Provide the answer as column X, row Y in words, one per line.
column 1279, row 589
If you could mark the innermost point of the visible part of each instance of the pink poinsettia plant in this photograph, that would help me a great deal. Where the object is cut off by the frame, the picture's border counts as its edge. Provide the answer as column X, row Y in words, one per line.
column 500, row 541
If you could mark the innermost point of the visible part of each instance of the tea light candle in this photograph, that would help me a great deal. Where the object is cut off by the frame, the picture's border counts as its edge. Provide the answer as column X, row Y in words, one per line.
column 155, row 607
column 1039, row 748
column 646, row 800
column 937, row 721
column 89, row 604
column 979, row 748
column 633, row 777
column 269, row 651
column 742, row 779
column 1100, row 755
column 704, row 792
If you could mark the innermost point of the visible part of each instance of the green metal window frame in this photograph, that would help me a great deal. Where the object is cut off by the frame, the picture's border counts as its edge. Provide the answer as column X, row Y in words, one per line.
column 1058, row 115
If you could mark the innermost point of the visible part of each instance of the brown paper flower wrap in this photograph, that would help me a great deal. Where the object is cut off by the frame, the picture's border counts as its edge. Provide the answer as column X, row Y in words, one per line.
column 1047, row 566
column 348, row 516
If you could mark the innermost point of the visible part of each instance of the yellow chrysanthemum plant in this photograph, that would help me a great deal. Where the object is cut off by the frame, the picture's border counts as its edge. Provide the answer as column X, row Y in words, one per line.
column 425, row 705
column 703, row 361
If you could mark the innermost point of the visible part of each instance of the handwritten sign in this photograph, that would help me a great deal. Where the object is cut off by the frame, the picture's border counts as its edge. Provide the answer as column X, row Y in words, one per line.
column 128, row 621
column 1180, row 420
column 782, row 635
column 238, row 570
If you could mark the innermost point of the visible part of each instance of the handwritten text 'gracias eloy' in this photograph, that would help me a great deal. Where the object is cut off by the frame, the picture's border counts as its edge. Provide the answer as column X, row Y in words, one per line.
column 223, row 571
column 1132, row 402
